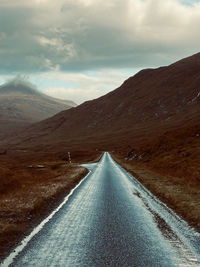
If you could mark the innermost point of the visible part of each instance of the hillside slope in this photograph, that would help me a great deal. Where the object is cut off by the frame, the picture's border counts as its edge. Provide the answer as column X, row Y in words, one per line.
column 21, row 105
column 143, row 107
column 169, row 167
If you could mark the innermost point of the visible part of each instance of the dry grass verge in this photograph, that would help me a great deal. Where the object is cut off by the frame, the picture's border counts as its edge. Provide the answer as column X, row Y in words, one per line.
column 182, row 197
column 28, row 193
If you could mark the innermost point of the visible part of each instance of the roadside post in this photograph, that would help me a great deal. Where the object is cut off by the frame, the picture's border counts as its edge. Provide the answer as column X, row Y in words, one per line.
column 69, row 157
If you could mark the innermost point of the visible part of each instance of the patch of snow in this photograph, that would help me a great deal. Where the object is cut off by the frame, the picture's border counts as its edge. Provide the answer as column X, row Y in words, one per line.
column 40, row 166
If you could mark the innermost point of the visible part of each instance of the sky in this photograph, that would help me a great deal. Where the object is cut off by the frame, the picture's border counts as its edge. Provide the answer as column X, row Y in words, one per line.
column 82, row 49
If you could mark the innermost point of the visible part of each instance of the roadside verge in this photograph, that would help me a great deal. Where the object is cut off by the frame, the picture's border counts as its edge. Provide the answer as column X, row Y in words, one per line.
column 21, row 210
column 184, row 200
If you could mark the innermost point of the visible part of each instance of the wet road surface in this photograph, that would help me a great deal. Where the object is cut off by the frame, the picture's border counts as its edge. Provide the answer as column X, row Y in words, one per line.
column 110, row 220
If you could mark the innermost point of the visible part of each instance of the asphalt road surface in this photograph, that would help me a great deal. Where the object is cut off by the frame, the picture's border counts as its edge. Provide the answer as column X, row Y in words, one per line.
column 110, row 219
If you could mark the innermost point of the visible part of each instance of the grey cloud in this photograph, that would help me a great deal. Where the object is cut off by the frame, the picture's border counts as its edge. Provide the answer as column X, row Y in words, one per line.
column 20, row 80
column 84, row 34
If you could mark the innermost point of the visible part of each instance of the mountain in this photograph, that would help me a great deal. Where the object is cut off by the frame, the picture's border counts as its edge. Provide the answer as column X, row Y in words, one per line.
column 21, row 105
column 145, row 106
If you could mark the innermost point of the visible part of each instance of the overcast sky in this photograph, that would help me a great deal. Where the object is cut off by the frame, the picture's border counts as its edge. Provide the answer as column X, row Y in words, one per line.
column 81, row 49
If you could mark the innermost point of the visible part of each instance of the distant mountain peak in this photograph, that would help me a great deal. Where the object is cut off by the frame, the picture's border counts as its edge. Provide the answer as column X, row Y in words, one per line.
column 18, row 85
column 21, row 104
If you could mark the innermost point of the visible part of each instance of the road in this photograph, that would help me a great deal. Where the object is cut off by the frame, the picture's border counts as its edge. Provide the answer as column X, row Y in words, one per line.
column 110, row 219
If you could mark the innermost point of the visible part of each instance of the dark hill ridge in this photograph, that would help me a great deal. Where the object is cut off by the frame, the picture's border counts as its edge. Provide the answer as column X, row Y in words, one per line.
column 21, row 105
column 144, row 106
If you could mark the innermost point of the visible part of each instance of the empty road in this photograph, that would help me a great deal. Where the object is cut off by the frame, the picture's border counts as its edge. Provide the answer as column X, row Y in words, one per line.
column 110, row 220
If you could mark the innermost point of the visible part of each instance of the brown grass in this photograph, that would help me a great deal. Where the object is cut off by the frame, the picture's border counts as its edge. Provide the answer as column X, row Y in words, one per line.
column 182, row 197
column 28, row 194
column 170, row 168
column 178, row 154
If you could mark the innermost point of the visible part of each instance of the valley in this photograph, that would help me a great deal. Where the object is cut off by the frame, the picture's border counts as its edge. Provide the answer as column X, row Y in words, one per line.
column 150, row 125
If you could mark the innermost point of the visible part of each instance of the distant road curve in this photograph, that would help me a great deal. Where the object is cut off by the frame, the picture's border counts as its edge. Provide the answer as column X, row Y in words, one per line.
column 110, row 219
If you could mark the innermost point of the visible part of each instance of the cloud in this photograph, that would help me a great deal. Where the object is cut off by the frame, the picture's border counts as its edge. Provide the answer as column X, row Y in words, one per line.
column 78, row 95
column 66, row 35
column 80, row 87
column 20, row 80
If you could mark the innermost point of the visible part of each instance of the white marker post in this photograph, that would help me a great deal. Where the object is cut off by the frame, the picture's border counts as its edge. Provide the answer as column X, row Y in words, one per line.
column 69, row 157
